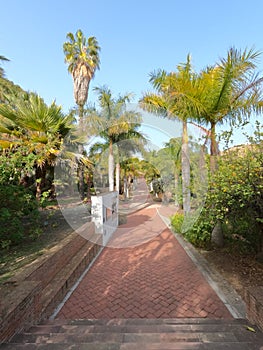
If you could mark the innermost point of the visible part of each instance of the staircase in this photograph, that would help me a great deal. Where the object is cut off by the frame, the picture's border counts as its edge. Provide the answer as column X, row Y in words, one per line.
column 137, row 334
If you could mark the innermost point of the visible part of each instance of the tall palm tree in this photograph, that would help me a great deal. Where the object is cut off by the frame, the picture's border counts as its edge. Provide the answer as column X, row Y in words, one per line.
column 82, row 57
column 37, row 128
column 115, row 122
column 126, row 144
column 232, row 90
column 177, row 97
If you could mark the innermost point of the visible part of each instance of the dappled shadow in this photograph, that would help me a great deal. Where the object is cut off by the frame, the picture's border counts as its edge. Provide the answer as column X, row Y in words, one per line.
column 155, row 279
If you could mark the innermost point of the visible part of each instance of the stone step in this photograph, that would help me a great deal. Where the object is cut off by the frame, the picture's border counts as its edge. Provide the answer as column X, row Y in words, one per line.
column 80, row 336
column 129, row 334
column 134, row 346
column 143, row 321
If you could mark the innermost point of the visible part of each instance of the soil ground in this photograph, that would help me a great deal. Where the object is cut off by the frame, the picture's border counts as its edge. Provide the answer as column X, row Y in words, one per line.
column 241, row 271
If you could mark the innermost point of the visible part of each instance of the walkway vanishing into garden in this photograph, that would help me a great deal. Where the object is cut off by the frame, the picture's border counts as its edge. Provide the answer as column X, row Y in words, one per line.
column 144, row 291
column 144, row 272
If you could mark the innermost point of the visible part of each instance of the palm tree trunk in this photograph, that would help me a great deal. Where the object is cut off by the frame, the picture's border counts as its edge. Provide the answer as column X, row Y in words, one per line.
column 217, row 237
column 118, row 167
column 125, row 187
column 40, row 181
column 81, row 151
column 111, row 167
column 176, row 185
column 213, row 149
column 185, row 170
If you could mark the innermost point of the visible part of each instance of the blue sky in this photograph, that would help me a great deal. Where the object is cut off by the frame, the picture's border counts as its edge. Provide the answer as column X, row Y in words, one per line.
column 136, row 37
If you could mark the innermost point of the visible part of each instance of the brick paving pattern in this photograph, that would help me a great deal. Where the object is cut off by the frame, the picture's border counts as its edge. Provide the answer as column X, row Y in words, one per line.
column 148, row 275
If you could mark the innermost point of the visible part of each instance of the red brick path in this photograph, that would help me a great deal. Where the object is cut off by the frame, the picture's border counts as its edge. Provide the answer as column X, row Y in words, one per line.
column 153, row 279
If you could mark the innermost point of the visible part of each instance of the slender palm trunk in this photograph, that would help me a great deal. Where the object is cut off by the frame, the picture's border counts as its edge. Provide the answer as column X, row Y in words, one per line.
column 81, row 151
column 118, row 168
column 111, row 167
column 125, row 187
column 217, row 237
column 185, row 170
column 176, row 185
column 213, row 149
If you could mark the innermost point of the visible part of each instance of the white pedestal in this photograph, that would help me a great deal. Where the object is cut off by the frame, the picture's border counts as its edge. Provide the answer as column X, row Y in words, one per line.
column 104, row 210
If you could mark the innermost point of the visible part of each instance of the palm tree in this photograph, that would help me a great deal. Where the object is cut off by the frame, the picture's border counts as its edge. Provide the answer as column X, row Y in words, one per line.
column 177, row 97
column 82, row 57
column 37, row 128
column 115, row 123
column 126, row 144
column 174, row 147
column 231, row 91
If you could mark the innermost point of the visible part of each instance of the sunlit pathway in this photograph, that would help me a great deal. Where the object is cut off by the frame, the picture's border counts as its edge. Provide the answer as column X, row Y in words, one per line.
column 148, row 275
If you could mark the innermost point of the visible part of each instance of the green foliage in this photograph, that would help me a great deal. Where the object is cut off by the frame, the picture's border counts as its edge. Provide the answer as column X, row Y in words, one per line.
column 157, row 185
column 177, row 222
column 235, row 198
column 44, row 199
column 14, row 163
column 198, row 235
column 18, row 215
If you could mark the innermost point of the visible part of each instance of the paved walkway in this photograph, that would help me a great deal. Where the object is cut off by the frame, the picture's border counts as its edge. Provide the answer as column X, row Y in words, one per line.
column 144, row 273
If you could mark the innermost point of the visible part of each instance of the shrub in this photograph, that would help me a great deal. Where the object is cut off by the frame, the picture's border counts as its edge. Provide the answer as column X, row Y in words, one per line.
column 235, row 198
column 177, row 222
column 196, row 233
column 18, row 215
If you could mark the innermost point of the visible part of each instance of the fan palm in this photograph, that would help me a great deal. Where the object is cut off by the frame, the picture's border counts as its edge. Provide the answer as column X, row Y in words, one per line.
column 82, row 57
column 39, row 128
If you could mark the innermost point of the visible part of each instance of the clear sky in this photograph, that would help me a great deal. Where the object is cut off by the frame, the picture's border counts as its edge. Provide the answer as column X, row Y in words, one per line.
column 136, row 37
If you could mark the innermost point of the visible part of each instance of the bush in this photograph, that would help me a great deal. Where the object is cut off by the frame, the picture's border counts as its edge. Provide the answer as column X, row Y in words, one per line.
column 195, row 233
column 177, row 222
column 235, row 198
column 18, row 215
